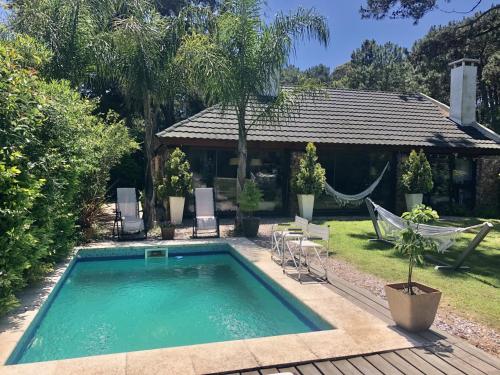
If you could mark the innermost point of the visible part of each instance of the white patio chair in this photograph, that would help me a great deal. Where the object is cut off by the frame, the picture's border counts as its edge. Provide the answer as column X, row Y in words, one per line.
column 312, row 256
column 127, row 214
column 205, row 217
column 280, row 232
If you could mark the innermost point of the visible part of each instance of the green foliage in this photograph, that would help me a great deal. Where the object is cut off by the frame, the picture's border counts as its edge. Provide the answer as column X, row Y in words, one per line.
column 240, row 59
column 414, row 9
column 373, row 66
column 475, row 37
column 416, row 174
column 310, row 178
column 177, row 180
column 411, row 243
column 55, row 158
column 250, row 198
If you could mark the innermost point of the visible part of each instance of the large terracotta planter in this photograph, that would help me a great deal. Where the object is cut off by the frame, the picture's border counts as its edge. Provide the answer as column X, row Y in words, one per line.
column 413, row 200
column 306, row 205
column 176, row 205
column 414, row 313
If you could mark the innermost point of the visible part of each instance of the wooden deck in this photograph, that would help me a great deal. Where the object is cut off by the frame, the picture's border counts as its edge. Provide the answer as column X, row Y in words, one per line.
column 441, row 353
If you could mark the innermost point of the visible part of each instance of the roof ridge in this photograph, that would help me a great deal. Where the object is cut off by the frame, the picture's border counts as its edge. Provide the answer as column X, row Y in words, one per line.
column 360, row 90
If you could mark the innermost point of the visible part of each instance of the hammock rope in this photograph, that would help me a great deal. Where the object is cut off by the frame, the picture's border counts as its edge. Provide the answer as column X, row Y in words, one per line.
column 355, row 199
column 444, row 237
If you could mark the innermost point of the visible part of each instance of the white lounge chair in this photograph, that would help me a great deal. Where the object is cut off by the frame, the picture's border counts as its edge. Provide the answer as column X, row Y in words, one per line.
column 127, row 214
column 312, row 256
column 280, row 232
column 205, row 217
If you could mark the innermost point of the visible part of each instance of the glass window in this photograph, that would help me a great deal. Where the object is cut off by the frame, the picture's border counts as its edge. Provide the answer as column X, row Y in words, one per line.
column 454, row 184
column 203, row 167
column 266, row 169
column 353, row 172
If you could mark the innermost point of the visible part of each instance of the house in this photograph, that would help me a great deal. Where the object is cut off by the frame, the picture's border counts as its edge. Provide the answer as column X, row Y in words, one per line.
column 356, row 134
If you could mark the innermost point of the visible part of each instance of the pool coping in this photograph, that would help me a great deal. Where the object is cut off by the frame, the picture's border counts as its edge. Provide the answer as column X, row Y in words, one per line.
column 356, row 331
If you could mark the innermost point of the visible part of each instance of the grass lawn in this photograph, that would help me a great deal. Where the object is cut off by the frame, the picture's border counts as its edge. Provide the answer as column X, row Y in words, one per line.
column 474, row 294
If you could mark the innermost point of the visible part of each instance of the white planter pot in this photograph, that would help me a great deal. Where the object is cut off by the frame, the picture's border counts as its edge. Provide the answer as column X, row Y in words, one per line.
column 176, row 209
column 413, row 200
column 306, row 205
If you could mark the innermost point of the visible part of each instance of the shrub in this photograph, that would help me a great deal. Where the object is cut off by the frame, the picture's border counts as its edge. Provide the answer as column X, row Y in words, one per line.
column 416, row 174
column 55, row 157
column 310, row 179
column 250, row 198
column 177, row 177
column 411, row 243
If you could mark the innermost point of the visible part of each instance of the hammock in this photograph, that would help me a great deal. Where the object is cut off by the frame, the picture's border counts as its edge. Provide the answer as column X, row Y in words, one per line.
column 355, row 199
column 391, row 226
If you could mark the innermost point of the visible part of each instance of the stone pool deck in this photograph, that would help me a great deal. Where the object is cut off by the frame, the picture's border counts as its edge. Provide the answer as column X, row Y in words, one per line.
column 357, row 332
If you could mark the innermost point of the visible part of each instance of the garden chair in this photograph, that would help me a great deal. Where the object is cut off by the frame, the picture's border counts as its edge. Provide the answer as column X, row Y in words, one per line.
column 312, row 256
column 280, row 232
column 205, row 217
column 128, row 221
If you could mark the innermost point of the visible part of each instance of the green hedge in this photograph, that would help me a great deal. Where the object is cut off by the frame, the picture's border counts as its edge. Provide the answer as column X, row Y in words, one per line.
column 55, row 157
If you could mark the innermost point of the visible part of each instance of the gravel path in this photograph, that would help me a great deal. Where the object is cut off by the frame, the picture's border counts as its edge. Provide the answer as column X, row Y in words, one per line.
column 447, row 319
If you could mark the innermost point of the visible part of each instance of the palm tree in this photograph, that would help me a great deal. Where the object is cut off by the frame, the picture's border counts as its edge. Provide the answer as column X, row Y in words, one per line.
column 137, row 53
column 240, row 61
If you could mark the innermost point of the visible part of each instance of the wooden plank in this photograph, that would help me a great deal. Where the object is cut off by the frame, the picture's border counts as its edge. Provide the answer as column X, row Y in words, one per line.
column 255, row 372
column 476, row 352
column 437, row 362
column 382, row 365
column 327, row 368
column 360, row 293
column 364, row 366
column 465, row 356
column 462, row 360
column 418, row 362
column 346, row 367
column 439, row 336
column 293, row 370
column 308, row 369
column 400, row 363
column 365, row 304
column 267, row 371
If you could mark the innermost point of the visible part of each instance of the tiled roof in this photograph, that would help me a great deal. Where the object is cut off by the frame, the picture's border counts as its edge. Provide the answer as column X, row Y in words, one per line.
column 345, row 117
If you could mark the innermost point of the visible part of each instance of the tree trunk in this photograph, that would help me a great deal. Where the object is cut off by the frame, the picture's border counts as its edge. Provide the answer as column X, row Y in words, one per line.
column 242, row 165
column 149, row 132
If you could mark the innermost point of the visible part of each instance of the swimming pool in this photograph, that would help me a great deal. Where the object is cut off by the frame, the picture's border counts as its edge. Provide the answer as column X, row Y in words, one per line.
column 121, row 303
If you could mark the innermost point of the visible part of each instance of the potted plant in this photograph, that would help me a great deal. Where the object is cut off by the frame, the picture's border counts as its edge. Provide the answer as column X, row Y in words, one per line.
column 167, row 230
column 416, row 178
column 249, row 201
column 309, row 181
column 413, row 306
column 175, row 184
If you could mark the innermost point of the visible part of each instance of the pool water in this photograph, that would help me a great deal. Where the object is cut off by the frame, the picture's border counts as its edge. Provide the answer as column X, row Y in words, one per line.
column 121, row 305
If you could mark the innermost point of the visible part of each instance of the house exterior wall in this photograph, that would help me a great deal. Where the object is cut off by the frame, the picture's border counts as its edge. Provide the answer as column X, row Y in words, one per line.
column 481, row 196
column 488, row 185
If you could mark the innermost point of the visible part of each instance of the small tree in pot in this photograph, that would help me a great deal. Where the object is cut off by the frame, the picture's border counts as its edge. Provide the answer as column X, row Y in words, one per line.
column 175, row 184
column 309, row 181
column 416, row 178
column 249, row 201
column 413, row 305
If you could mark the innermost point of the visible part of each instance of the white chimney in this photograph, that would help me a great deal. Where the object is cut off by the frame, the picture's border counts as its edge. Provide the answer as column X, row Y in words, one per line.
column 463, row 91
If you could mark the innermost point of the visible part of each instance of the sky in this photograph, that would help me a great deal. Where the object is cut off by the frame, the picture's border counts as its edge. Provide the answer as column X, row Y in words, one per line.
column 348, row 30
